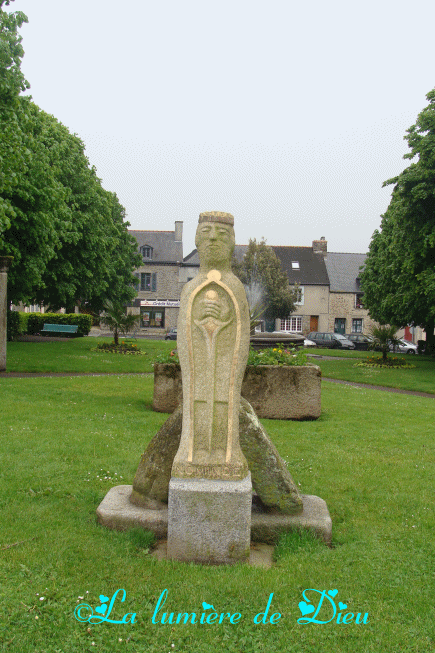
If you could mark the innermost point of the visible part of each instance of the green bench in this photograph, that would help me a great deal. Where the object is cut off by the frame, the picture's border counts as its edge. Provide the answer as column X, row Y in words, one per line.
column 61, row 329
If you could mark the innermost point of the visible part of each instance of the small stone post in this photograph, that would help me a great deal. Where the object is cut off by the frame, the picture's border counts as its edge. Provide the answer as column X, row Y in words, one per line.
column 210, row 492
column 5, row 262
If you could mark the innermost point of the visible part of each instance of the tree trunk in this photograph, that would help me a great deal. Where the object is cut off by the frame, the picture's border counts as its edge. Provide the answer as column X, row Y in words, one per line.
column 430, row 337
column 115, row 336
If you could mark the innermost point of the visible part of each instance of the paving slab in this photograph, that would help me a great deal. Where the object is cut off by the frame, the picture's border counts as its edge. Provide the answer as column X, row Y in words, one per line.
column 116, row 512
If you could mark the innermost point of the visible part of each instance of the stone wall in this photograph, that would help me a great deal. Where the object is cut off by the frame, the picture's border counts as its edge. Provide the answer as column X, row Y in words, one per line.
column 342, row 305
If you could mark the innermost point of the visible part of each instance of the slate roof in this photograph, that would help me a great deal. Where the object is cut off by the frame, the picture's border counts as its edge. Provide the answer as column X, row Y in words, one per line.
column 192, row 259
column 312, row 270
column 344, row 271
column 165, row 248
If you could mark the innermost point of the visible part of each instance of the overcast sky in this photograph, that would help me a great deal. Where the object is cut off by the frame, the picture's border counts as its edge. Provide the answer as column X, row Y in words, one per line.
column 290, row 115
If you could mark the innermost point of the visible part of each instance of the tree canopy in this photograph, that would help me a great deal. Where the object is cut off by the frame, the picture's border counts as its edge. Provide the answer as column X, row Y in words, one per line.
column 68, row 235
column 398, row 279
column 13, row 156
column 268, row 289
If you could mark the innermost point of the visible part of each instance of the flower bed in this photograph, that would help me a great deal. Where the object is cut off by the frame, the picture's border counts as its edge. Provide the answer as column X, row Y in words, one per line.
column 122, row 348
column 392, row 362
column 277, row 384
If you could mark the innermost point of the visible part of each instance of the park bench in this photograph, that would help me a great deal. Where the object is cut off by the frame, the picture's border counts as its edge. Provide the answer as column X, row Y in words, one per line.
column 61, row 329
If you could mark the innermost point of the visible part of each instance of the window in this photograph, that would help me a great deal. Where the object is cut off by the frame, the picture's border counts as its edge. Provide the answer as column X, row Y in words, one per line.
column 293, row 324
column 147, row 252
column 295, row 265
column 148, row 281
column 357, row 326
column 299, row 295
column 359, row 300
column 150, row 317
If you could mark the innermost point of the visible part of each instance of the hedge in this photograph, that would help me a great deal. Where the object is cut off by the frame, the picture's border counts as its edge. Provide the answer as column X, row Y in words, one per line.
column 36, row 321
column 13, row 326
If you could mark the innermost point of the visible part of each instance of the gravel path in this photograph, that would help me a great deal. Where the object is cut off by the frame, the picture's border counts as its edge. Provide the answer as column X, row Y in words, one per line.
column 30, row 375
column 382, row 388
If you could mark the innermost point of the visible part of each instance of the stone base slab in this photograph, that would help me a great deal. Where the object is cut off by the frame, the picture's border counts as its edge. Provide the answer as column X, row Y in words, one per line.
column 209, row 521
column 116, row 512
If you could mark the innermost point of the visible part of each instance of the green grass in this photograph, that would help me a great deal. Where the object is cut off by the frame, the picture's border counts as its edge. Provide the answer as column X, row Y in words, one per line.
column 422, row 378
column 370, row 456
column 76, row 355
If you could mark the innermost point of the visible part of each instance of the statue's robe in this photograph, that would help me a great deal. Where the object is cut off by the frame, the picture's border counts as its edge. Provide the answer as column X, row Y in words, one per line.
column 213, row 347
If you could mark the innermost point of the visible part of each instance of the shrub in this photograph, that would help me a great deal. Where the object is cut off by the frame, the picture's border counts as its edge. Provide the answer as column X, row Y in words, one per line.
column 36, row 321
column 13, row 328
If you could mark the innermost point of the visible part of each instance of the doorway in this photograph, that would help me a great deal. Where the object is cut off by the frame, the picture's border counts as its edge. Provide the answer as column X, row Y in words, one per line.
column 340, row 325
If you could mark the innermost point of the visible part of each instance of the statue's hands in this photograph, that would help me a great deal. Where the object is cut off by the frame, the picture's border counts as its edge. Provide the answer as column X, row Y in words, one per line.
column 212, row 308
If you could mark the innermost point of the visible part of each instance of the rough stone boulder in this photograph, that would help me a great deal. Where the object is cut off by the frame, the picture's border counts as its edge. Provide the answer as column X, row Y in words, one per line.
column 271, row 479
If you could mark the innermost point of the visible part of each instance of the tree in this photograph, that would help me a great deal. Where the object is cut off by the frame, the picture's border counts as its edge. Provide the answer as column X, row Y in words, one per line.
column 383, row 336
column 267, row 286
column 398, row 279
column 117, row 320
column 68, row 235
column 13, row 156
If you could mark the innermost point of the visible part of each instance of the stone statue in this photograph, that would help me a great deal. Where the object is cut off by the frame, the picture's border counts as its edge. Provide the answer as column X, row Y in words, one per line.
column 213, row 347
column 195, row 462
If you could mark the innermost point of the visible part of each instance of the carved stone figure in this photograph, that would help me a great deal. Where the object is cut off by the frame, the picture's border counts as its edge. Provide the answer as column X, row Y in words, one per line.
column 213, row 347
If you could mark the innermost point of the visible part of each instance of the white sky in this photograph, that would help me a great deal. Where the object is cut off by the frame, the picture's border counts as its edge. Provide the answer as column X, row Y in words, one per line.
column 290, row 115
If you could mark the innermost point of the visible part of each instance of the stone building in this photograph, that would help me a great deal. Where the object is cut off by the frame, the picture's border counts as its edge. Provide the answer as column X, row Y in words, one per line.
column 305, row 268
column 158, row 278
column 330, row 297
column 346, row 311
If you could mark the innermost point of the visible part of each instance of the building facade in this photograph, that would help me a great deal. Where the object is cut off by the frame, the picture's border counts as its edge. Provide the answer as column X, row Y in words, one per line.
column 306, row 270
column 158, row 278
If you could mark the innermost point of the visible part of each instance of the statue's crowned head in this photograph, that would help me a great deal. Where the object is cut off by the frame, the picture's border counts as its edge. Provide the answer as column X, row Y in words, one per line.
column 215, row 239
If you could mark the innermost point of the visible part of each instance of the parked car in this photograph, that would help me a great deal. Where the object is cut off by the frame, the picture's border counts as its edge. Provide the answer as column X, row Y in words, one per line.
column 172, row 334
column 404, row 347
column 330, row 340
column 360, row 341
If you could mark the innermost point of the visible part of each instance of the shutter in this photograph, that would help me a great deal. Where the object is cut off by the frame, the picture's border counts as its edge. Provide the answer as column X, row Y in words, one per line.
column 154, row 281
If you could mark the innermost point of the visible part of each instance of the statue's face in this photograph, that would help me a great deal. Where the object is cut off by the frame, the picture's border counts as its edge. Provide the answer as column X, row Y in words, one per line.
column 215, row 243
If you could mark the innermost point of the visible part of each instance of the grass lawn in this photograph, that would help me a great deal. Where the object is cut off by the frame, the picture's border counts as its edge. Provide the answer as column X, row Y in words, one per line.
column 77, row 355
column 66, row 441
column 422, row 378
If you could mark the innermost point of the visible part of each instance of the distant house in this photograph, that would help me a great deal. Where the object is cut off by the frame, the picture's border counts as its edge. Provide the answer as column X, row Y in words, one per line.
column 158, row 280
column 346, row 310
column 306, row 270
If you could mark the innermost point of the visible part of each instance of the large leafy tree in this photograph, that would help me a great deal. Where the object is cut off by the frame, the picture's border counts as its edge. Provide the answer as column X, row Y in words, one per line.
column 267, row 285
column 13, row 156
column 399, row 274
column 68, row 235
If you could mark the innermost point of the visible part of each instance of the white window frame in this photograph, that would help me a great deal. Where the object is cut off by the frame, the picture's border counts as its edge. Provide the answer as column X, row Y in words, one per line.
column 301, row 293
column 292, row 324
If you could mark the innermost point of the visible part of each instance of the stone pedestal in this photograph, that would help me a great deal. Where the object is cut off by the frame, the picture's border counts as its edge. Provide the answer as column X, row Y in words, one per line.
column 5, row 262
column 209, row 521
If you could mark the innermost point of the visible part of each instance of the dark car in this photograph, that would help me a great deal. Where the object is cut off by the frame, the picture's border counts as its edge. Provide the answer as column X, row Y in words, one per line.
column 360, row 341
column 172, row 334
column 330, row 340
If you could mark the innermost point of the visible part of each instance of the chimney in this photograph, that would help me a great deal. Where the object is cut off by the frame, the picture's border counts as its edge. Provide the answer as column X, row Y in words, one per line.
column 320, row 246
column 178, row 237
